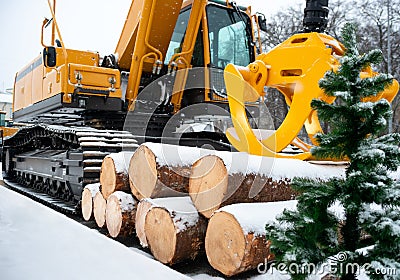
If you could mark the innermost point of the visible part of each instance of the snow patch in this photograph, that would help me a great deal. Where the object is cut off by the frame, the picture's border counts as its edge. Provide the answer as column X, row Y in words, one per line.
column 238, row 162
column 127, row 201
column 39, row 243
column 121, row 161
column 253, row 217
column 174, row 155
column 278, row 168
column 93, row 188
column 181, row 209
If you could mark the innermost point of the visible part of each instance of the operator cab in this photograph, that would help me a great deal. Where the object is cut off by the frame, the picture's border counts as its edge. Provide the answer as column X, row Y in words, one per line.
column 228, row 38
column 224, row 36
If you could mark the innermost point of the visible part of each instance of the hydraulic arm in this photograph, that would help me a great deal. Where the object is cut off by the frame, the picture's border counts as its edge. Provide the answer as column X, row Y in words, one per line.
column 145, row 38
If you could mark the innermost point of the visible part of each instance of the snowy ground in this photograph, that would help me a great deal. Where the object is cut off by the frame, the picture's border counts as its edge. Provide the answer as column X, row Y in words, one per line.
column 39, row 243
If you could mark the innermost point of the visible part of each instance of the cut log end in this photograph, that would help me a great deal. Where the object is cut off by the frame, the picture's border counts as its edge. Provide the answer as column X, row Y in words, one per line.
column 230, row 249
column 99, row 209
column 114, row 173
column 145, row 160
column 161, row 234
column 107, row 177
column 87, row 204
column 143, row 208
column 225, row 243
column 208, row 184
column 113, row 216
column 120, row 214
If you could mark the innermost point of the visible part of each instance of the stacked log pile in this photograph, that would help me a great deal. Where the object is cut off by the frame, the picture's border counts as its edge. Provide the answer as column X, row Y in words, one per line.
column 113, row 180
column 195, row 200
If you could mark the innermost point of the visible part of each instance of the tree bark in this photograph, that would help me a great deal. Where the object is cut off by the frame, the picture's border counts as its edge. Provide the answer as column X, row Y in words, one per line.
column 120, row 214
column 88, row 195
column 235, row 240
column 114, row 173
column 160, row 170
column 99, row 209
column 230, row 178
column 173, row 233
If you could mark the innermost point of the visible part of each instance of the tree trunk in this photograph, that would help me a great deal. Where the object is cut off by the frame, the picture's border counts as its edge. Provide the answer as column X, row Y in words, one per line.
column 88, row 195
column 229, row 178
column 99, row 209
column 114, row 173
column 235, row 240
column 120, row 214
column 160, row 170
column 174, row 230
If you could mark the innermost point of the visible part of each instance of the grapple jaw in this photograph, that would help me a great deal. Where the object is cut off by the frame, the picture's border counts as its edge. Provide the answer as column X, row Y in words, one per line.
column 294, row 68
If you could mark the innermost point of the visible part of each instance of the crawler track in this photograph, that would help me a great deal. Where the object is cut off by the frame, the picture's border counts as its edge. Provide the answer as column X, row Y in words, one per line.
column 52, row 164
column 52, row 202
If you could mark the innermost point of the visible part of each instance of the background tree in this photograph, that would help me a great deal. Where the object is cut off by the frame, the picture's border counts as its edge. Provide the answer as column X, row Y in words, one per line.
column 371, row 18
column 369, row 196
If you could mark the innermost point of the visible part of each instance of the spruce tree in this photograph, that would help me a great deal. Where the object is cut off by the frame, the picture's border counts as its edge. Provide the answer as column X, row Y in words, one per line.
column 370, row 197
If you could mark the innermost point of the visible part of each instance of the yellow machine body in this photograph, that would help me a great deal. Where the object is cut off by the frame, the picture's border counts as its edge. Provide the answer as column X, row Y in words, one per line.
column 294, row 68
column 8, row 131
column 144, row 48
column 36, row 82
column 5, row 131
column 144, row 43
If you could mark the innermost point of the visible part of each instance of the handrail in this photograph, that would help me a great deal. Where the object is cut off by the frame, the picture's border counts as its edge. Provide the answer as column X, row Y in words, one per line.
column 52, row 10
column 146, row 40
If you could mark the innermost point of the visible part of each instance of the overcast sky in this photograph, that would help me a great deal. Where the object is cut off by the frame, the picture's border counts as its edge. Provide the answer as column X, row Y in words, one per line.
column 85, row 25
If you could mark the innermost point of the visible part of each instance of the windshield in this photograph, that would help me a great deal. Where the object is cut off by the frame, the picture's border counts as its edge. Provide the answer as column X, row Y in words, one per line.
column 230, row 42
column 178, row 35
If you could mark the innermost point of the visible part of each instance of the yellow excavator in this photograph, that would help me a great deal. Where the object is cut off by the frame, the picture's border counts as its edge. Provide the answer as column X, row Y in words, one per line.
column 79, row 106
column 165, row 82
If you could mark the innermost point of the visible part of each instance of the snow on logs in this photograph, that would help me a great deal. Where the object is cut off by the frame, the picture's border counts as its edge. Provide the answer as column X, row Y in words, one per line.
column 235, row 240
column 120, row 214
column 227, row 178
column 215, row 179
column 88, row 195
column 162, row 170
column 174, row 230
column 114, row 173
